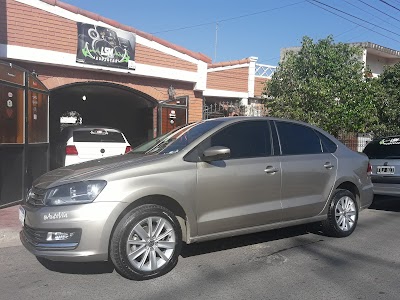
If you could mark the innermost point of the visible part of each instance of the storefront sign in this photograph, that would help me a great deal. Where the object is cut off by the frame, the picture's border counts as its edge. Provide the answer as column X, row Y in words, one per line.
column 103, row 46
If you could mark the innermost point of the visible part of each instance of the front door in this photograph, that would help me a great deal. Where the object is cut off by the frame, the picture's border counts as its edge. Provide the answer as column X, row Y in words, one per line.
column 172, row 114
column 238, row 192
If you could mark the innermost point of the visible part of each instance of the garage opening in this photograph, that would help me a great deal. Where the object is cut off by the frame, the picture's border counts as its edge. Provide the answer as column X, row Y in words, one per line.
column 102, row 104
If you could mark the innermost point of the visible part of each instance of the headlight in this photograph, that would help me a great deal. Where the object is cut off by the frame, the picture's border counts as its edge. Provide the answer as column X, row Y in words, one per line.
column 74, row 193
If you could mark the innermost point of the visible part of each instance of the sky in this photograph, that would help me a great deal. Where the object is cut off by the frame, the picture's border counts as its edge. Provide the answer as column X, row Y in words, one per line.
column 231, row 30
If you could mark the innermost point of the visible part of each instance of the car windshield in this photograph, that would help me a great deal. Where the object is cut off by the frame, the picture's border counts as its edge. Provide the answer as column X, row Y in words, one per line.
column 387, row 148
column 98, row 136
column 177, row 139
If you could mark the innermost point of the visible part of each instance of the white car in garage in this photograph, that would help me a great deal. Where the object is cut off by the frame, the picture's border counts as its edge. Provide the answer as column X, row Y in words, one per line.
column 82, row 143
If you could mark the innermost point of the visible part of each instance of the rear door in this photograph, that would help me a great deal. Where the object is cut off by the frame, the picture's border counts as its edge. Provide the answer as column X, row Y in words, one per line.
column 97, row 143
column 308, row 173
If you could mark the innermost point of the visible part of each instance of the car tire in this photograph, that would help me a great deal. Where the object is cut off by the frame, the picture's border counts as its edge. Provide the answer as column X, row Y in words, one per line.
column 146, row 243
column 342, row 214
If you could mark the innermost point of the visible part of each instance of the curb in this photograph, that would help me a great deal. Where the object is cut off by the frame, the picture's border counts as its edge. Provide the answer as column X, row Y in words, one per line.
column 9, row 227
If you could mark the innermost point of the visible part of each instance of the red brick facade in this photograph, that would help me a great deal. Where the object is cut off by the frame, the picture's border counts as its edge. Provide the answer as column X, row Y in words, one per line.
column 235, row 80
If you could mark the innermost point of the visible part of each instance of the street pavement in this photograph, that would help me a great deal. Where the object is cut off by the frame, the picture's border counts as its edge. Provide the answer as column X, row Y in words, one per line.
column 291, row 263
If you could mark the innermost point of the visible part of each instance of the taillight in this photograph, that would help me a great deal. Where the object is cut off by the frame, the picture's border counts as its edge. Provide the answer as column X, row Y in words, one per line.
column 369, row 169
column 128, row 149
column 71, row 150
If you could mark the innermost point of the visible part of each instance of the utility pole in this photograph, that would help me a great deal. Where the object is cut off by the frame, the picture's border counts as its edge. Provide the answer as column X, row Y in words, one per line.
column 216, row 41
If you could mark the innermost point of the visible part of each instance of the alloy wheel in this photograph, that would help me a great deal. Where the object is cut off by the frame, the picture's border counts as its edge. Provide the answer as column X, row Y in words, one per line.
column 151, row 244
column 345, row 213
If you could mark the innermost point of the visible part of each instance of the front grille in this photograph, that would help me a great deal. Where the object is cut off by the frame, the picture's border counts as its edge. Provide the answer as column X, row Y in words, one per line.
column 35, row 236
column 36, row 197
column 38, row 239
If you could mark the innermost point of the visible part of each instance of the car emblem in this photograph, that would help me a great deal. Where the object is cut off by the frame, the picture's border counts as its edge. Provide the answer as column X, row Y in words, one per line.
column 385, row 163
column 102, row 150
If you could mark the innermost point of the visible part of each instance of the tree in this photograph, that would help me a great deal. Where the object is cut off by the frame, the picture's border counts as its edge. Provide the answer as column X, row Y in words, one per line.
column 324, row 84
column 388, row 105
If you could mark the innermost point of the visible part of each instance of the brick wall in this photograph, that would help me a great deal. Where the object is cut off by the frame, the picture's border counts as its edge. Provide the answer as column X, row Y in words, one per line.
column 31, row 27
column 148, row 56
column 259, row 84
column 235, row 80
column 53, row 77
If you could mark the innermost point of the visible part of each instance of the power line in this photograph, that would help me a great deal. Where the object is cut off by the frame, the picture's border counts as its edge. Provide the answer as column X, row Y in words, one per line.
column 337, row 35
column 390, row 5
column 343, row 12
column 229, row 19
column 382, row 12
column 353, row 22
column 370, row 13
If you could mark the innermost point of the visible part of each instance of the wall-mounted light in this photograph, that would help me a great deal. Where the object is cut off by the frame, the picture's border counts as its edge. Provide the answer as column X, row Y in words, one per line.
column 171, row 93
column 84, row 97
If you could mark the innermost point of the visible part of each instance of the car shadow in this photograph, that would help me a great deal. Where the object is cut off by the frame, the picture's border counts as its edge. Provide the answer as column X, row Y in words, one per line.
column 386, row 203
column 244, row 240
column 86, row 268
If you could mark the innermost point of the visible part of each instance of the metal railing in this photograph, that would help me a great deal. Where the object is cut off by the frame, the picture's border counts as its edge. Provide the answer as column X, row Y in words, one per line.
column 265, row 70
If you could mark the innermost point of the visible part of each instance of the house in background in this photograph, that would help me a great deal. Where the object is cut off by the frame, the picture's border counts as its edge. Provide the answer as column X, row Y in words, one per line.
column 375, row 57
column 235, row 88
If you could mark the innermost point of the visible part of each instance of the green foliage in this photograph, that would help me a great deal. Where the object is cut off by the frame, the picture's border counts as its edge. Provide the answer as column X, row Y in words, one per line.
column 388, row 105
column 324, row 84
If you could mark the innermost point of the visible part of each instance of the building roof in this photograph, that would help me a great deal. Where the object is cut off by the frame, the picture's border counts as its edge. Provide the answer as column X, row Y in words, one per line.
column 379, row 49
column 96, row 17
column 229, row 63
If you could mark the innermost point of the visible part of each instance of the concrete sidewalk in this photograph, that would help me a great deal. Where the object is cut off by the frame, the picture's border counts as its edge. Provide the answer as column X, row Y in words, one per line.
column 10, row 227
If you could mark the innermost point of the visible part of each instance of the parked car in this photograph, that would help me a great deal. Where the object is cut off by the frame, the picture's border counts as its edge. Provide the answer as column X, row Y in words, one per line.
column 384, row 156
column 208, row 180
column 81, row 143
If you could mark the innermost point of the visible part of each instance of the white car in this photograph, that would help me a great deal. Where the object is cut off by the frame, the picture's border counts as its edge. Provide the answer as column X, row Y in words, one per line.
column 82, row 143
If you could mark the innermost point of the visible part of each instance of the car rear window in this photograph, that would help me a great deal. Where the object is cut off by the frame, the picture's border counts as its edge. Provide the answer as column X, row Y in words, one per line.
column 97, row 136
column 383, row 149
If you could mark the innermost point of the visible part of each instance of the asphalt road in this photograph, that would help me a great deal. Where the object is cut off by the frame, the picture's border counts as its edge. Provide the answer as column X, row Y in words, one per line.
column 285, row 264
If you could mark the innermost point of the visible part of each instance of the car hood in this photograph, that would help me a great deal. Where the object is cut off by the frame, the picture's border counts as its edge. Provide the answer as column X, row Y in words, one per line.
column 93, row 169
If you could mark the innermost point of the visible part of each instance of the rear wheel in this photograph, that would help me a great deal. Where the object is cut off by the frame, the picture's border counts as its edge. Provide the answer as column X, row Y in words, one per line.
column 342, row 214
column 146, row 243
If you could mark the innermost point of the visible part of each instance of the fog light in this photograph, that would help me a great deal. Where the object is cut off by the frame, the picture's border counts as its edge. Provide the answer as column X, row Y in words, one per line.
column 59, row 236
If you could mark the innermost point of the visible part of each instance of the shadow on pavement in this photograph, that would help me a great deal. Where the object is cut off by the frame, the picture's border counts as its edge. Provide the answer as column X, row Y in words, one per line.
column 87, row 268
column 386, row 203
column 243, row 240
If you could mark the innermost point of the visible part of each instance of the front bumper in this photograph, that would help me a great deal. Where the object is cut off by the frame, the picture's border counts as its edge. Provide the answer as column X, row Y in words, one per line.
column 92, row 224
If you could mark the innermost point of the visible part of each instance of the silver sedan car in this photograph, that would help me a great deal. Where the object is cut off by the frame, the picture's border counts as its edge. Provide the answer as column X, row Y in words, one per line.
column 208, row 180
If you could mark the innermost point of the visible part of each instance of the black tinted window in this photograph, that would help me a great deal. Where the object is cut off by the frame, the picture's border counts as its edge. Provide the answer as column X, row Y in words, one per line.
column 245, row 139
column 298, row 139
column 179, row 140
column 96, row 136
column 328, row 145
column 383, row 149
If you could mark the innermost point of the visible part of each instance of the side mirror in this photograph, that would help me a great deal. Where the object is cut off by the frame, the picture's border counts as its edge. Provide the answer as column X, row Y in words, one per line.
column 216, row 153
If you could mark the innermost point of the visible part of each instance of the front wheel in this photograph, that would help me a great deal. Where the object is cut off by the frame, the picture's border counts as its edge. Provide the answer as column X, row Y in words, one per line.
column 342, row 214
column 146, row 243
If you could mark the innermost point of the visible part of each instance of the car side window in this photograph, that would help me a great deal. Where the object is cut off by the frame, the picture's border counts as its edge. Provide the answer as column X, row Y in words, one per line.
column 328, row 145
column 297, row 139
column 245, row 139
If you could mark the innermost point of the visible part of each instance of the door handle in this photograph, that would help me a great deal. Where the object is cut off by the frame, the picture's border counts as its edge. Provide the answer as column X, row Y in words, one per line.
column 328, row 165
column 270, row 170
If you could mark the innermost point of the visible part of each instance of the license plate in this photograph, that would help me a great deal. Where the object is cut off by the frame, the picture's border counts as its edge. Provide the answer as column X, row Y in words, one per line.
column 21, row 215
column 385, row 170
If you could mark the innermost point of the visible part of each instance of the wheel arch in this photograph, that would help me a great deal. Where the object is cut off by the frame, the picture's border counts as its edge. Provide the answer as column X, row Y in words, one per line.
column 164, row 201
column 352, row 188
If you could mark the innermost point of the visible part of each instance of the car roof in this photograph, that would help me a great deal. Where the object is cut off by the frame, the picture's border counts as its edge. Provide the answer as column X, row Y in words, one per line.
column 89, row 127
